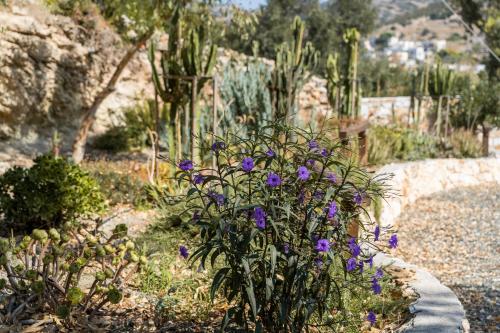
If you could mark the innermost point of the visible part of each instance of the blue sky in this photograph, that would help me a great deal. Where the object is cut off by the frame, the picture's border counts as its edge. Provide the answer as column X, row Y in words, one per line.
column 248, row 4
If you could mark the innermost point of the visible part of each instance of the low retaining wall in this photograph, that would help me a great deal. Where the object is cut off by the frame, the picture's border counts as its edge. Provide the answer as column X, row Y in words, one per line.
column 437, row 310
column 413, row 180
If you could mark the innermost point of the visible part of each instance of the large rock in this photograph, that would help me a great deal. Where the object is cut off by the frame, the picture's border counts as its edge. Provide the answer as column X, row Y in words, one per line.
column 50, row 70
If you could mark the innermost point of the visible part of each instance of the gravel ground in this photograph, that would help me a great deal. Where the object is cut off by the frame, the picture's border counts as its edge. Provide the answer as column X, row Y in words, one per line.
column 456, row 236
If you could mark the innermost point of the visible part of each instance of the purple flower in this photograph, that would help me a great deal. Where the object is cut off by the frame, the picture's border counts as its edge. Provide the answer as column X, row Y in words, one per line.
column 372, row 318
column 318, row 195
column 247, row 164
column 218, row 198
column 273, row 179
column 286, row 248
column 218, row 146
column 183, row 251
column 186, row 165
column 303, row 173
column 259, row 216
column 351, row 264
column 322, row 245
column 354, row 247
column 393, row 241
column 361, row 266
column 332, row 210
column 198, row 179
column 313, row 144
column 369, row 261
column 331, row 177
column 324, row 152
column 377, row 289
column 318, row 262
column 376, row 233
column 379, row 273
column 310, row 163
column 358, row 198
column 270, row 153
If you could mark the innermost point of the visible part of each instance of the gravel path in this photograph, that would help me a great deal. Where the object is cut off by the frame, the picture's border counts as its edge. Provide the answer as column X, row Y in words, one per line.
column 456, row 236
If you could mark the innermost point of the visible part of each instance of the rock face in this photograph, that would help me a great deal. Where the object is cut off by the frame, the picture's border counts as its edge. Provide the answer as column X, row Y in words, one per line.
column 50, row 70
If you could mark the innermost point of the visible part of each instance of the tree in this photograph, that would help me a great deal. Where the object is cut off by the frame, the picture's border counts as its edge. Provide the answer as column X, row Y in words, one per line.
column 326, row 23
column 134, row 18
column 485, row 15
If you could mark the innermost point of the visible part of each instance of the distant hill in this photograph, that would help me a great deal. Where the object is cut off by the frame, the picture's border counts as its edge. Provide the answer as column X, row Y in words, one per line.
column 401, row 11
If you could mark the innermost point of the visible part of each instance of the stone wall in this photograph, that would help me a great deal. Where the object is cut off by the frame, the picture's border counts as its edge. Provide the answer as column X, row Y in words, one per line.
column 413, row 180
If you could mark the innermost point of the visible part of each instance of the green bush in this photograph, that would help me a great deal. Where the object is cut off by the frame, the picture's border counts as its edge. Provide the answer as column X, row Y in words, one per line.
column 50, row 193
column 387, row 144
column 278, row 216
column 120, row 188
column 133, row 133
column 66, row 272
column 464, row 144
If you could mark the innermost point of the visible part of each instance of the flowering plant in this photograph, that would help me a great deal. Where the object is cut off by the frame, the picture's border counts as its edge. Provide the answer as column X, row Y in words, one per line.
column 277, row 213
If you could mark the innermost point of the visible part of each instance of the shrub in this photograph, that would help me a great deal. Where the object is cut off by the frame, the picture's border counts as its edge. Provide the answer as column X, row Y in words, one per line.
column 279, row 214
column 121, row 188
column 50, row 193
column 464, row 144
column 386, row 144
column 132, row 133
column 68, row 273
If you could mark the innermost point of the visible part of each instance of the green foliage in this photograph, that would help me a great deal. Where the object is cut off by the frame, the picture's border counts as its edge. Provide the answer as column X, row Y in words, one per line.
column 293, row 64
column 326, row 23
column 265, row 236
column 245, row 93
column 47, row 269
column 387, row 144
column 49, row 194
column 122, row 188
column 464, row 144
column 133, row 132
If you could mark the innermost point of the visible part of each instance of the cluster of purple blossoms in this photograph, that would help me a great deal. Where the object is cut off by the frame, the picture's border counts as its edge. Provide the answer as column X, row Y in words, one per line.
column 376, row 233
column 313, row 144
column 273, row 179
column 186, row 165
column 377, row 289
column 332, row 210
column 198, row 179
column 358, row 198
column 354, row 247
column 322, row 245
column 351, row 264
column 218, row 198
column 183, row 251
column 303, row 173
column 393, row 241
column 324, row 152
column 372, row 318
column 247, row 164
column 259, row 215
column 218, row 146
column 331, row 177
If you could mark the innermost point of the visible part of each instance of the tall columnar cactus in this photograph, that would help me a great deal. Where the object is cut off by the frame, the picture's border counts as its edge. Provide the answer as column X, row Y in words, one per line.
column 421, row 89
column 351, row 108
column 293, row 65
column 185, row 67
column 442, row 81
column 333, row 81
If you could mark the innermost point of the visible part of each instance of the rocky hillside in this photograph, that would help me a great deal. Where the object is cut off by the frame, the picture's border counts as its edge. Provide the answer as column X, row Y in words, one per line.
column 50, row 70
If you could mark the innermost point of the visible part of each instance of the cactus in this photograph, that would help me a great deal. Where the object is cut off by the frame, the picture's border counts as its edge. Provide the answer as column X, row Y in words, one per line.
column 442, row 81
column 293, row 64
column 46, row 269
column 333, row 81
column 184, row 67
column 351, row 106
